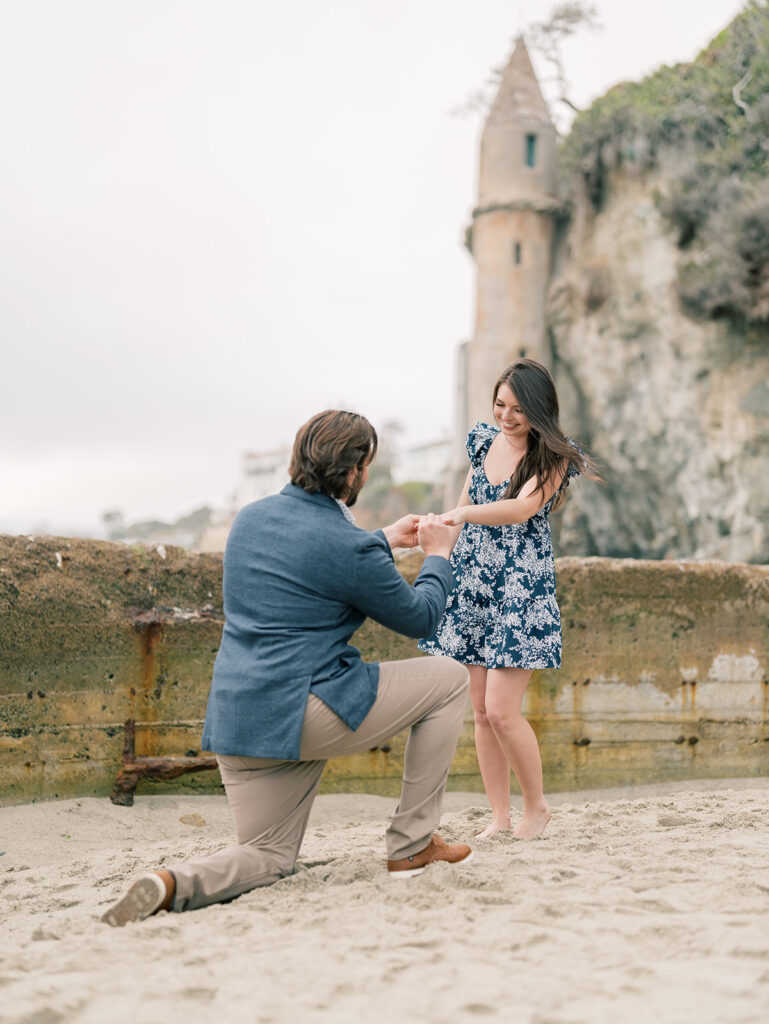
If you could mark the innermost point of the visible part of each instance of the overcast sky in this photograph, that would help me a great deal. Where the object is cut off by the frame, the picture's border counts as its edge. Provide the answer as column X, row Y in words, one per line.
column 218, row 217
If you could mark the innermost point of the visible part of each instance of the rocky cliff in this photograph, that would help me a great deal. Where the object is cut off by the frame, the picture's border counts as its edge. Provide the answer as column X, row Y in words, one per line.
column 658, row 314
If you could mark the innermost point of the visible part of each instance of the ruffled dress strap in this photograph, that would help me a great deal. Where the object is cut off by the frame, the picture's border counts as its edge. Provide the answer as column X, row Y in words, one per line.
column 479, row 441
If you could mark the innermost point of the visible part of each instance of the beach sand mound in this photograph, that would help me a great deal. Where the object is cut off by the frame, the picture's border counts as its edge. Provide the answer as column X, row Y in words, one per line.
column 651, row 905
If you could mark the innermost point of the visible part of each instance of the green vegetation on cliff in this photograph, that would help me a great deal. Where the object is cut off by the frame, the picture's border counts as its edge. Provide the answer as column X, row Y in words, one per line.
column 707, row 124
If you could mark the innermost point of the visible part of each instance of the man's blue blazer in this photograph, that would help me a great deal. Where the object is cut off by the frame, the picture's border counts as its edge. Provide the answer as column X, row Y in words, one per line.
column 299, row 579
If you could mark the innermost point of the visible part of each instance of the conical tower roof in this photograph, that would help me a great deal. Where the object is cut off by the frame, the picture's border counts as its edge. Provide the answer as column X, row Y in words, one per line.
column 519, row 97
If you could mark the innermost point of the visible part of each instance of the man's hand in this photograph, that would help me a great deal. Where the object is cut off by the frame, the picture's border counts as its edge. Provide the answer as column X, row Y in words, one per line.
column 454, row 517
column 403, row 533
column 435, row 538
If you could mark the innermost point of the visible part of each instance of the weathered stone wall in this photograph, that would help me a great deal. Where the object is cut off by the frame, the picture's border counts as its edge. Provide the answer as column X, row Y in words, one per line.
column 92, row 634
column 665, row 672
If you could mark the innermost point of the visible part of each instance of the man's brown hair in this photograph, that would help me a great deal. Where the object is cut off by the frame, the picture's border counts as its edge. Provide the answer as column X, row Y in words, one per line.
column 327, row 447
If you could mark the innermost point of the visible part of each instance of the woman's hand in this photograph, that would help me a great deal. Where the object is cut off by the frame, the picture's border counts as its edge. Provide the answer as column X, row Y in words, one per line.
column 454, row 517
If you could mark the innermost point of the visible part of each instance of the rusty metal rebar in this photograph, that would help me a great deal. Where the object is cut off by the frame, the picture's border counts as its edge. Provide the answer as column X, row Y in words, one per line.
column 136, row 768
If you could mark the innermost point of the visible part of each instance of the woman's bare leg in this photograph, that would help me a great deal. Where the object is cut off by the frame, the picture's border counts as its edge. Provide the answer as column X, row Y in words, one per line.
column 504, row 692
column 494, row 766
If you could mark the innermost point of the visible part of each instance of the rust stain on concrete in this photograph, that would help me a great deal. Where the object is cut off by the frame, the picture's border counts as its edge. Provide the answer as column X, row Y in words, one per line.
column 664, row 674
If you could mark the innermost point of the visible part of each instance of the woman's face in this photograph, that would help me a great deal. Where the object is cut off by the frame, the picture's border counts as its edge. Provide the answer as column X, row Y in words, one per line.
column 510, row 416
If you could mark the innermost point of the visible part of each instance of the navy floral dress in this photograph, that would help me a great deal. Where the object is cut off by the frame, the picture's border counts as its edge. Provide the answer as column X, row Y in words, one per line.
column 501, row 611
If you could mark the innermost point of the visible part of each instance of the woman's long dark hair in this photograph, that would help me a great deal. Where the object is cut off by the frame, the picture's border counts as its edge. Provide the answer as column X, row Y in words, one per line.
column 547, row 448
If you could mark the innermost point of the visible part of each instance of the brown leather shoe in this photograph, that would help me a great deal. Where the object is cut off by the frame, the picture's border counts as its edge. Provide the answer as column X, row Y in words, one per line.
column 437, row 849
column 146, row 897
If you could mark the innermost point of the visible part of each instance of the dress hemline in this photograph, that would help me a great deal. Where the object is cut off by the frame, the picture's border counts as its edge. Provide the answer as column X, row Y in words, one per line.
column 482, row 664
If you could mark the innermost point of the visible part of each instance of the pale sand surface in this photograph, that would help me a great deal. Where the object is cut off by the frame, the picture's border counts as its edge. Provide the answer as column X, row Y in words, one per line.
column 648, row 904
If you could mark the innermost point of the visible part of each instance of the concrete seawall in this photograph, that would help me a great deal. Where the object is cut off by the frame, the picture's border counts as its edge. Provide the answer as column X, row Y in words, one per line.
column 665, row 672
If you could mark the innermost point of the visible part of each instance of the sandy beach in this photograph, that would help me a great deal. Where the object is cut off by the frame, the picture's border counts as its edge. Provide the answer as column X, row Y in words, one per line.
column 649, row 904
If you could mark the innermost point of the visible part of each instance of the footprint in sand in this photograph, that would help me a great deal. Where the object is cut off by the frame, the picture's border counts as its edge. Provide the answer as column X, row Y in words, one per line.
column 193, row 819
column 672, row 820
column 198, row 993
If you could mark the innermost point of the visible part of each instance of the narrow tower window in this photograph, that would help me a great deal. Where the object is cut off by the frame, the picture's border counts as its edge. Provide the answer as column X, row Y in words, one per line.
column 531, row 150
column 517, row 254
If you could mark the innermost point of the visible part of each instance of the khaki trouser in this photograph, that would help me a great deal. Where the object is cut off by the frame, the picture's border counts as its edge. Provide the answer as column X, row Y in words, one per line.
column 271, row 799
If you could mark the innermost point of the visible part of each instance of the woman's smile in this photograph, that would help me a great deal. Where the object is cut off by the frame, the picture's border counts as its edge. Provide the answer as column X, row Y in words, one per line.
column 505, row 406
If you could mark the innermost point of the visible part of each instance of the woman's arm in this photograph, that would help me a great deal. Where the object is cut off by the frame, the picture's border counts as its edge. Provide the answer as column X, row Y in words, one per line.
column 464, row 502
column 505, row 512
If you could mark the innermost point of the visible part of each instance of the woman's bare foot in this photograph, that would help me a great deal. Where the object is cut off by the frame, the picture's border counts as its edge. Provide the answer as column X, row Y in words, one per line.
column 533, row 822
column 492, row 829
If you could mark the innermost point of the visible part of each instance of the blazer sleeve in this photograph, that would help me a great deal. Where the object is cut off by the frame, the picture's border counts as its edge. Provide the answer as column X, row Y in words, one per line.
column 379, row 591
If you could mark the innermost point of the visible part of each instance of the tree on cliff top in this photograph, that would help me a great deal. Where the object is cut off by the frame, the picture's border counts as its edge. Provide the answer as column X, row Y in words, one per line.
column 547, row 38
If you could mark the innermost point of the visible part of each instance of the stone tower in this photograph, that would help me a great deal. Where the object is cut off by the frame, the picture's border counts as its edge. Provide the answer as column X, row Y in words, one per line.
column 511, row 239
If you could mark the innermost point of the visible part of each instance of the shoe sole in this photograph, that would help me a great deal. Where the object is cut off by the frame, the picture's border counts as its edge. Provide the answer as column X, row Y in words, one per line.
column 141, row 901
column 413, row 872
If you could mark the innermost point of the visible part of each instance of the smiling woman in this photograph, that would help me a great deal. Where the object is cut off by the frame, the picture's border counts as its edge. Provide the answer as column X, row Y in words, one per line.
column 502, row 618
column 538, row 444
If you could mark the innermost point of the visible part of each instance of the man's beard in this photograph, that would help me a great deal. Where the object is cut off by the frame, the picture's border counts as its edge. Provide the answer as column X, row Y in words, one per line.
column 355, row 489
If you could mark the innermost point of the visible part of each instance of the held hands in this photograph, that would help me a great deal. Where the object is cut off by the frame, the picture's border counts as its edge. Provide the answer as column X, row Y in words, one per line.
column 435, row 537
column 434, row 533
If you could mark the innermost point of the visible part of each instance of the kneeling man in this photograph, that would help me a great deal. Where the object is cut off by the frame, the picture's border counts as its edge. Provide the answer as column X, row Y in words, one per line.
column 288, row 690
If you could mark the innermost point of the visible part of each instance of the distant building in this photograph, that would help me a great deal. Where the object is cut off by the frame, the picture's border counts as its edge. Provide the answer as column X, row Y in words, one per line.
column 262, row 474
column 214, row 537
column 427, row 463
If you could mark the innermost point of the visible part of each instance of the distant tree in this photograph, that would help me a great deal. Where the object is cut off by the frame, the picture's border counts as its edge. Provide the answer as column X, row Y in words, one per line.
column 147, row 527
column 114, row 523
column 195, row 521
column 728, row 277
column 752, row 46
column 547, row 38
